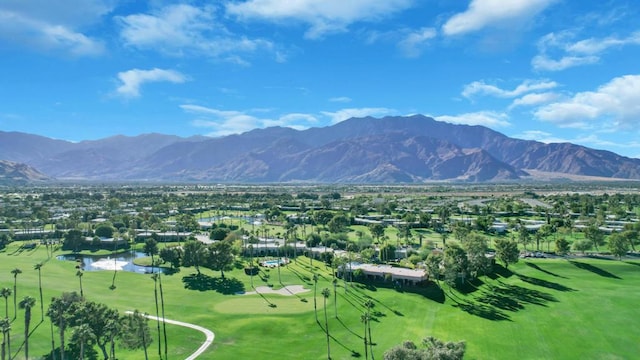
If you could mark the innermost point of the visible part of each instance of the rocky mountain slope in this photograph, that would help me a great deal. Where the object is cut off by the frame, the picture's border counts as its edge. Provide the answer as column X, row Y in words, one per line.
column 359, row 150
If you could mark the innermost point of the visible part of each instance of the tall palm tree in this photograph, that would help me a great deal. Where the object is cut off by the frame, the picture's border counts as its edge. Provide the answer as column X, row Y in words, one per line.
column 58, row 313
column 164, row 323
column 364, row 318
column 325, row 295
column 335, row 297
column 38, row 267
column 83, row 334
column 5, row 293
column 79, row 274
column 315, row 291
column 369, row 305
column 27, row 303
column 15, row 273
column 154, row 277
column 5, row 327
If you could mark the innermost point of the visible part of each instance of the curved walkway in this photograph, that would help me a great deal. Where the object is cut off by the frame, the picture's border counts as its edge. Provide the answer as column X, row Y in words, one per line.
column 208, row 333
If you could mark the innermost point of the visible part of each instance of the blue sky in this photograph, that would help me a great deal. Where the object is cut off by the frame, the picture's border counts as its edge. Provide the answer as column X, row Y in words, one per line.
column 547, row 70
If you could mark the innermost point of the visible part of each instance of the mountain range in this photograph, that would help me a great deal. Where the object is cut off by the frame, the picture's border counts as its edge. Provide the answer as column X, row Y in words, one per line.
column 412, row 149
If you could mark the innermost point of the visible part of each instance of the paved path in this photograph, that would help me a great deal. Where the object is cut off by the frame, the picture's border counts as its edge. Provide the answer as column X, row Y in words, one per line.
column 208, row 333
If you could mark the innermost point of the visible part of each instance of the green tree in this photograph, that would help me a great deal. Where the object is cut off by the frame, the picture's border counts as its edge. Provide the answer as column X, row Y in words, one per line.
column 220, row 257
column 582, row 245
column 523, row 236
column 194, row 254
column 618, row 245
column 433, row 264
column 135, row 332
column 377, row 230
column 434, row 350
column 150, row 248
column 325, row 295
column 73, row 240
column 456, row 265
column 172, row 255
column 27, row 303
column 5, row 327
column 562, row 246
column 364, row 318
column 5, row 293
column 104, row 231
column 338, row 223
column 476, row 249
column 58, row 314
column 82, row 335
column 594, row 235
column 507, row 251
column 15, row 272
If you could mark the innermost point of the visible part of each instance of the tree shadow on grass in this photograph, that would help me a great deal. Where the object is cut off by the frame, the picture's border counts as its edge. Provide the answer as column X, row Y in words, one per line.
column 499, row 271
column 632, row 263
column 202, row 282
column 544, row 283
column 594, row 269
column 535, row 266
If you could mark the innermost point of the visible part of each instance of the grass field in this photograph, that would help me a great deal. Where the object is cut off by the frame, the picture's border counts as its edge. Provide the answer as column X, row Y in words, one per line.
column 538, row 309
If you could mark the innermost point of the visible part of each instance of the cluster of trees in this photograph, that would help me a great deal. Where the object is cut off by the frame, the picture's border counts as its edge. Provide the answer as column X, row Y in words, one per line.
column 95, row 324
column 433, row 349
column 217, row 256
column 460, row 263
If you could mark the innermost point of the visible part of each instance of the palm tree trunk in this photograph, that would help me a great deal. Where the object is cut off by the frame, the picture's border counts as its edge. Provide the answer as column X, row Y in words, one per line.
column 53, row 343
column 61, row 327
column 27, row 320
column 155, row 293
column 41, row 298
column 326, row 328
column 164, row 324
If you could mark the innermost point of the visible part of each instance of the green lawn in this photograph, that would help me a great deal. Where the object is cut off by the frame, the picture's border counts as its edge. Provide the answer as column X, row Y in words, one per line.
column 579, row 309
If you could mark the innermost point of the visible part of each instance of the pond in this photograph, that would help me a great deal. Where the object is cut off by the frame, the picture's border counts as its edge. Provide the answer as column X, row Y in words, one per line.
column 119, row 262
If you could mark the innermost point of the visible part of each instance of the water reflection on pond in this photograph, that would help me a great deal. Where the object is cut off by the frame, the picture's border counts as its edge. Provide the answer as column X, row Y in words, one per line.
column 120, row 262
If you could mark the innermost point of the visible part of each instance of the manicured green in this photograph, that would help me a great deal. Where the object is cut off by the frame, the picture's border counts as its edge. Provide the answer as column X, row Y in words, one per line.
column 546, row 308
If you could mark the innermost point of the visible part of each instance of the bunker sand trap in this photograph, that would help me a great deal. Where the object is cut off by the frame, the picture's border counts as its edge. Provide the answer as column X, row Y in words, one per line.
column 286, row 291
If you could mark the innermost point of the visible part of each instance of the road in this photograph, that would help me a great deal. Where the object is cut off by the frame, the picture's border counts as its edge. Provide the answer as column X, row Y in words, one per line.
column 208, row 333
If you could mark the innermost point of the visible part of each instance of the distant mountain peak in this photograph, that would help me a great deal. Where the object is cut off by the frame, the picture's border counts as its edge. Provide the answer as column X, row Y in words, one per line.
column 392, row 149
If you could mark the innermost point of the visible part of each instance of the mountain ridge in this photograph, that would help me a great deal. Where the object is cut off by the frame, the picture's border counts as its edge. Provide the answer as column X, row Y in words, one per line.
column 393, row 149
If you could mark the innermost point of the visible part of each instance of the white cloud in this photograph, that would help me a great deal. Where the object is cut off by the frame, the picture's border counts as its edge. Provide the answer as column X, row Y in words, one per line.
column 485, row 118
column 41, row 35
column 541, row 136
column 133, row 79
column 482, row 88
column 340, row 99
column 571, row 53
column 177, row 29
column 345, row 114
column 322, row 16
column 534, row 99
column 486, row 13
column 227, row 122
column 412, row 44
column 615, row 104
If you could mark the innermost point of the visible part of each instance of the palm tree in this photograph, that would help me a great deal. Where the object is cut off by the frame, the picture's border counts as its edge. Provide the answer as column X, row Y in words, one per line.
column 369, row 305
column 57, row 312
column 5, row 293
column 83, row 334
column 164, row 324
column 325, row 295
column 5, row 327
column 15, row 273
column 27, row 303
column 364, row 318
column 315, row 291
column 335, row 297
column 154, row 277
column 38, row 267
column 79, row 274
